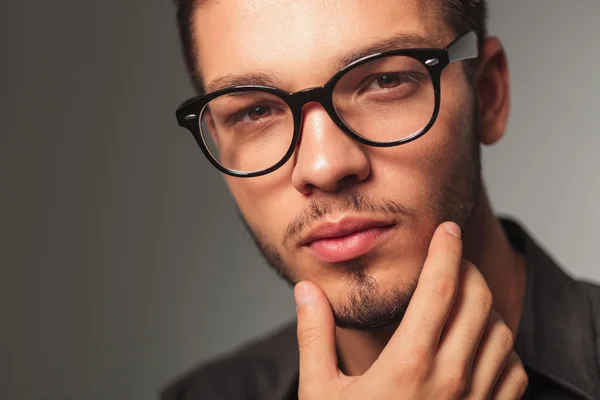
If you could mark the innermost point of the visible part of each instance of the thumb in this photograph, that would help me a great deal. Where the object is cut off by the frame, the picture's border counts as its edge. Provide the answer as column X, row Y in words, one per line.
column 316, row 336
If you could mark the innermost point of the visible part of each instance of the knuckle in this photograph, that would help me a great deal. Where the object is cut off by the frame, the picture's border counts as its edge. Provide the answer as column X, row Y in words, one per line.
column 455, row 385
column 521, row 381
column 308, row 336
column 416, row 364
column 444, row 287
column 506, row 338
column 483, row 298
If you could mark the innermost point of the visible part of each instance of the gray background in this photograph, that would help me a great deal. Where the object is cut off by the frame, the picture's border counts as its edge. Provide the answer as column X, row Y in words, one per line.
column 122, row 259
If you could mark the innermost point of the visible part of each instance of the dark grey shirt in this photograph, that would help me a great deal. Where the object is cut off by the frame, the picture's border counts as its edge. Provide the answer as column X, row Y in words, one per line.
column 558, row 341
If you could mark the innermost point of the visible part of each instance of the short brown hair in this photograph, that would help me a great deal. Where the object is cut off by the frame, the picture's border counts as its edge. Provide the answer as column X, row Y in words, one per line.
column 461, row 15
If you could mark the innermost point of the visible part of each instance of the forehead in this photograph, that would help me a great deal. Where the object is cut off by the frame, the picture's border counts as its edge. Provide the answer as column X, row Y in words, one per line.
column 300, row 41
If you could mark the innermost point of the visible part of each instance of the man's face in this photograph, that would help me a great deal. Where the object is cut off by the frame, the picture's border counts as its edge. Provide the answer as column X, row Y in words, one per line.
column 395, row 197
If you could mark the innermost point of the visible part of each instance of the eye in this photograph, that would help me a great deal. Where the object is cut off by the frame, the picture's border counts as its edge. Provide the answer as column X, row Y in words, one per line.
column 254, row 113
column 386, row 81
column 257, row 112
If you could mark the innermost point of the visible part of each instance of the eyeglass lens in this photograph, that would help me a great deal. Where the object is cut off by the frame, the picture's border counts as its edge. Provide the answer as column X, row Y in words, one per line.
column 383, row 100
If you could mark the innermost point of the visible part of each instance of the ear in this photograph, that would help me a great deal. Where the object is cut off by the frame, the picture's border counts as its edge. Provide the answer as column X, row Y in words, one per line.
column 493, row 90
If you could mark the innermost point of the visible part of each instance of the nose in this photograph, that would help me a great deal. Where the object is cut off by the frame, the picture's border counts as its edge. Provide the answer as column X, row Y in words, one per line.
column 327, row 159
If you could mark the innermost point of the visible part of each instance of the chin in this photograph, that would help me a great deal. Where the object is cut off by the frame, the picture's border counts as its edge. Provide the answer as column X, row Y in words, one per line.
column 370, row 308
column 371, row 297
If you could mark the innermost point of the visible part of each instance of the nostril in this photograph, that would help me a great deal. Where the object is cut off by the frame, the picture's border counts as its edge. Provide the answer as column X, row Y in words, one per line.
column 347, row 181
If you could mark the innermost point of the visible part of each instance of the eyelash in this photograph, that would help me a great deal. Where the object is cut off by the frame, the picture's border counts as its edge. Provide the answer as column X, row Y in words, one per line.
column 405, row 77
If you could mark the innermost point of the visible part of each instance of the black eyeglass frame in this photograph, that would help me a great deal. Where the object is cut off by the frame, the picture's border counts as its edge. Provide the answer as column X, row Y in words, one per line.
column 435, row 61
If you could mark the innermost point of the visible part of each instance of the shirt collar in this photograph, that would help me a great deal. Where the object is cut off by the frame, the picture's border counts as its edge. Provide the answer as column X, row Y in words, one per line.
column 556, row 335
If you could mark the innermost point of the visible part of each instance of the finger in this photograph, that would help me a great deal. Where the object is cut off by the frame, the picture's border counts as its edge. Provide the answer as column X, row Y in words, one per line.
column 513, row 382
column 316, row 335
column 430, row 305
column 495, row 347
column 467, row 320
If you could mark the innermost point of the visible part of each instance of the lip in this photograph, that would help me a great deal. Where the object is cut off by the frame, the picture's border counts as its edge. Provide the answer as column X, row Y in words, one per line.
column 346, row 239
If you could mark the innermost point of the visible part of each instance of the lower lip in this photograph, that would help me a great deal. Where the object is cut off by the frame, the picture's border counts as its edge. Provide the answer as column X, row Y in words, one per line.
column 345, row 248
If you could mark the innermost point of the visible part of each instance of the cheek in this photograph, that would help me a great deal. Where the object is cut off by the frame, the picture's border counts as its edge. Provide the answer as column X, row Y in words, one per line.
column 418, row 172
column 451, row 136
column 260, row 201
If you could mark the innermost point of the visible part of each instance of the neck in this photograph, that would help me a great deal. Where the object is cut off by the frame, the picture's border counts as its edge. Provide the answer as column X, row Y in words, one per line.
column 485, row 245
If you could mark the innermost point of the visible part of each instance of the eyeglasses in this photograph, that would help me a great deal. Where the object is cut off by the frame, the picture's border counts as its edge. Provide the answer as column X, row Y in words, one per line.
column 382, row 100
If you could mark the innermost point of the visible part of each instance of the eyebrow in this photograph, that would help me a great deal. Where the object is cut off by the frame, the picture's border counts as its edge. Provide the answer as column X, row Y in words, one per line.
column 396, row 42
column 247, row 79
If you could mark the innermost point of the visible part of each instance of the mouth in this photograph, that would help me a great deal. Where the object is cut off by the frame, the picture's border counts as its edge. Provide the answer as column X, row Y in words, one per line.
column 346, row 239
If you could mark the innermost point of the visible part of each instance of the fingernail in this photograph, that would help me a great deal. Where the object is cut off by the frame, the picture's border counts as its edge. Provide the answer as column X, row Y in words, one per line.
column 303, row 294
column 453, row 229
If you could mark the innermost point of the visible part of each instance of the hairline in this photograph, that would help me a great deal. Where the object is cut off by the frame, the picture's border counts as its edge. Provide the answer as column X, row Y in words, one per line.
column 438, row 9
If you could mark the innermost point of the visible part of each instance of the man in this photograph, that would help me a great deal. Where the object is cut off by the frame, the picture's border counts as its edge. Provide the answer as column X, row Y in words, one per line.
column 349, row 134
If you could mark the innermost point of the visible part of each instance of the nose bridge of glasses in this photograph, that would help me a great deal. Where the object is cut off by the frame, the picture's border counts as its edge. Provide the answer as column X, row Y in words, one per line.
column 319, row 94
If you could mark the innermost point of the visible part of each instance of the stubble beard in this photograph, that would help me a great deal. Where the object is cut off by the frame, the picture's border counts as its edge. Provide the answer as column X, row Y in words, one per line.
column 368, row 308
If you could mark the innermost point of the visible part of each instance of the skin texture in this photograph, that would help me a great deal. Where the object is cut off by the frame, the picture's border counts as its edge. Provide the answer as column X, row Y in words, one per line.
column 434, row 178
column 415, row 186
column 459, row 349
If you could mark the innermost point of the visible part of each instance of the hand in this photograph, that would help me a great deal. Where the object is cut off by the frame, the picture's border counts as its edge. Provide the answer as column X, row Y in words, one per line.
column 449, row 345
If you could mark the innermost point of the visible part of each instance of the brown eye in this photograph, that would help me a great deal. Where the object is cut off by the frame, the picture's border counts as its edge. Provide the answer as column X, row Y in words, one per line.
column 389, row 81
column 258, row 112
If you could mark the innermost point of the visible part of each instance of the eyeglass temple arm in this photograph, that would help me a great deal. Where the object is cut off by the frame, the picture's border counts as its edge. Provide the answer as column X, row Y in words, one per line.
column 464, row 48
